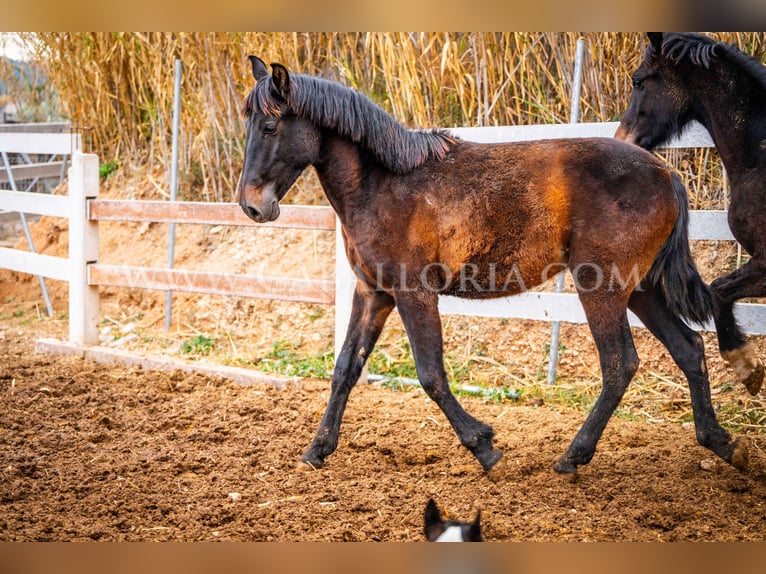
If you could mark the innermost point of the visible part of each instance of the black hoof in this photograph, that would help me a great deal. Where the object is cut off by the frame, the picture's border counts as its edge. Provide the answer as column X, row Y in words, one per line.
column 565, row 466
column 481, row 447
column 488, row 459
column 312, row 460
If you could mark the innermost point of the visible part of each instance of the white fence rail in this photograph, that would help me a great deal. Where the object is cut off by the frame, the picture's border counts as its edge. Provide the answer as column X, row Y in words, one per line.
column 80, row 266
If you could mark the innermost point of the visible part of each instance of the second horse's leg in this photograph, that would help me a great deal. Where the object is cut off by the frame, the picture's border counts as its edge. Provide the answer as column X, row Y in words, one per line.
column 747, row 281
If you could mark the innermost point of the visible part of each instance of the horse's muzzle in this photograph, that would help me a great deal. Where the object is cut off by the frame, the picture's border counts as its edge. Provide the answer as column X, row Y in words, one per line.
column 260, row 205
column 624, row 134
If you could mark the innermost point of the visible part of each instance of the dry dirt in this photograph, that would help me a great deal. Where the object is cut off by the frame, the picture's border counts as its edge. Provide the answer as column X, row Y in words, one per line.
column 95, row 452
column 105, row 453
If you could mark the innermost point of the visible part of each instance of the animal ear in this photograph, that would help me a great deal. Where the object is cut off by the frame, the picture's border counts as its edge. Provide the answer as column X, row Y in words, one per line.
column 474, row 533
column 280, row 82
column 433, row 521
column 260, row 70
column 656, row 40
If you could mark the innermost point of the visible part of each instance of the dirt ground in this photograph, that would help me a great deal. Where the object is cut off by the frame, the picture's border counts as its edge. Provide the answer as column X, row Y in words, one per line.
column 96, row 452
column 91, row 452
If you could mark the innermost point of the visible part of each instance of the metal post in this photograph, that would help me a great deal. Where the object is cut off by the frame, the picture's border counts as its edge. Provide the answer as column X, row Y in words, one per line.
column 574, row 117
column 173, row 186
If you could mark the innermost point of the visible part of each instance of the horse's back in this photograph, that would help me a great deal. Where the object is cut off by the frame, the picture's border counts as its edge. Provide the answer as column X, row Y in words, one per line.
column 576, row 182
column 522, row 211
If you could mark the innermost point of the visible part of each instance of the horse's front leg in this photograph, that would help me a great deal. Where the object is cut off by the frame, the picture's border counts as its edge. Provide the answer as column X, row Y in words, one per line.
column 369, row 312
column 747, row 281
column 419, row 311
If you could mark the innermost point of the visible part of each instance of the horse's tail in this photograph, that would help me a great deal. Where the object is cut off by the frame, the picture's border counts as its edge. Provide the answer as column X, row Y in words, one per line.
column 674, row 270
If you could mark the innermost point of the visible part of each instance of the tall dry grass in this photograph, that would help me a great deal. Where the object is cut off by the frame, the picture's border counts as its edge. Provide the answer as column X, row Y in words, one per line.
column 120, row 87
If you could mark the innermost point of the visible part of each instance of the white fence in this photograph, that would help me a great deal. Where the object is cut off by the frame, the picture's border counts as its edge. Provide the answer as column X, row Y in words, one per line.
column 51, row 144
column 83, row 273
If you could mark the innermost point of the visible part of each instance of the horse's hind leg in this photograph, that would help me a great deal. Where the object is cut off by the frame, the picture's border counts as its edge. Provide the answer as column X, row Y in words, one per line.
column 688, row 351
column 369, row 312
column 420, row 314
column 747, row 281
column 608, row 321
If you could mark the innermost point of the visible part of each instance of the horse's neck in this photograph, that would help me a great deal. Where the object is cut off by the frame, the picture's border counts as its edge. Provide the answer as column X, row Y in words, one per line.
column 727, row 113
column 339, row 169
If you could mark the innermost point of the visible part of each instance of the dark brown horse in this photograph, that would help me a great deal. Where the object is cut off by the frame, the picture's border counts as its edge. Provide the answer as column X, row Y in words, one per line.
column 688, row 77
column 424, row 213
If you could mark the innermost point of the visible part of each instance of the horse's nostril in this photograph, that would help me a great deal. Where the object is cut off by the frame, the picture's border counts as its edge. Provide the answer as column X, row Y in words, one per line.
column 253, row 213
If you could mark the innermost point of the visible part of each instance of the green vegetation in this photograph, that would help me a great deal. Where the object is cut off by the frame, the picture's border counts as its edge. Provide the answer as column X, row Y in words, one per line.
column 106, row 169
column 285, row 359
column 542, row 369
column 316, row 313
column 199, row 345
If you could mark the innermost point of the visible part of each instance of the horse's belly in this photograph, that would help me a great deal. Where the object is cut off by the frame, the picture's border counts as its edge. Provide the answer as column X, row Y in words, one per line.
column 486, row 278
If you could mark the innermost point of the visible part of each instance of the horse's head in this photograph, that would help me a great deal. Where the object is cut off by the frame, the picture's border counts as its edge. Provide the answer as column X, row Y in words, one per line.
column 660, row 104
column 437, row 529
column 279, row 144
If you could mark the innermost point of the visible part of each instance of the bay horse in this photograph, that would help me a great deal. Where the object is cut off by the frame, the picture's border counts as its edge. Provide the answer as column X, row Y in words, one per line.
column 686, row 77
column 423, row 213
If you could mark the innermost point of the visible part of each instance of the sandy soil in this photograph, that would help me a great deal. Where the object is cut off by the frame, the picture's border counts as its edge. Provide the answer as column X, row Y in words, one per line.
column 90, row 452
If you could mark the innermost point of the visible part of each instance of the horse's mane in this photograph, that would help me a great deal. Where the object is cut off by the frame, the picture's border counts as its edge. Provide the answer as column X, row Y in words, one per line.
column 353, row 115
column 702, row 49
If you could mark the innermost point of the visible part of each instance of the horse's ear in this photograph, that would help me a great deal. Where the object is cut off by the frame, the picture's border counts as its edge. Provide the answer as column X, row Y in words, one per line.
column 474, row 533
column 656, row 40
column 260, row 70
column 280, row 81
column 433, row 521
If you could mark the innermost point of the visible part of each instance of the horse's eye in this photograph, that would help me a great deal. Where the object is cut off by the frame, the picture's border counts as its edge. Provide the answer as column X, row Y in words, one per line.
column 270, row 129
column 637, row 82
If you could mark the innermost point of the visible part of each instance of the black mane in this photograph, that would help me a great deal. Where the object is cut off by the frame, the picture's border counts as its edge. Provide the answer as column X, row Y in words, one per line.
column 331, row 105
column 701, row 50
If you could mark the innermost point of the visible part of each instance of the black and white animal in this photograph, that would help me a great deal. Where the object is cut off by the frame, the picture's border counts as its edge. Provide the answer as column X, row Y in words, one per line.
column 439, row 530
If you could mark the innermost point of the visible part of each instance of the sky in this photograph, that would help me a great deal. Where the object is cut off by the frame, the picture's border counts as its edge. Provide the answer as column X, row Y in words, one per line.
column 9, row 47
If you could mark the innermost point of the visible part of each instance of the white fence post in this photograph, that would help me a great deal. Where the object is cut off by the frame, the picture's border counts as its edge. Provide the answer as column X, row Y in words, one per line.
column 345, row 284
column 83, row 249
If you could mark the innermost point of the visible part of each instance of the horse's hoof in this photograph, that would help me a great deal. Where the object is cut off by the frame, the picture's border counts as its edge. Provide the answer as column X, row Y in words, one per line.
column 564, row 466
column 754, row 381
column 490, row 459
column 740, row 456
column 310, row 462
column 747, row 366
column 303, row 466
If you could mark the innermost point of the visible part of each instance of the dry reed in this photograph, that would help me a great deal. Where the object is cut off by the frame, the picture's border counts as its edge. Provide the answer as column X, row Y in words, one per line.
column 120, row 85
